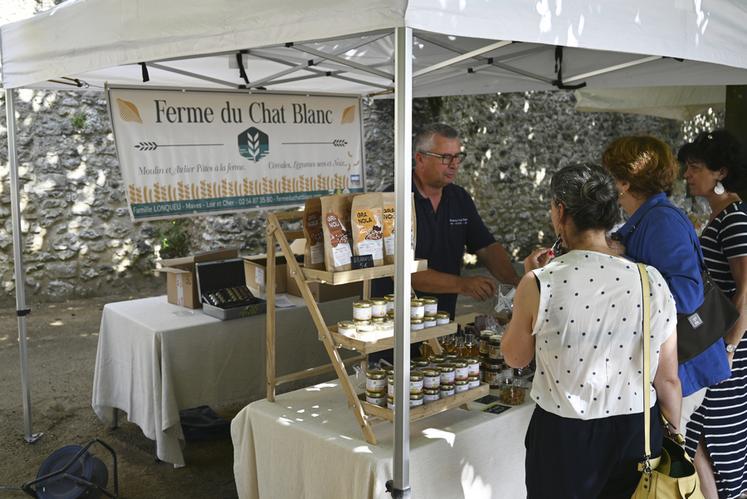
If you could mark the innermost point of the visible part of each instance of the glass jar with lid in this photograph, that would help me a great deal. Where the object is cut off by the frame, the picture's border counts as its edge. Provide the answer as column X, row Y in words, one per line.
column 376, row 380
column 376, row 398
column 473, row 366
column 436, row 360
column 484, row 339
column 389, row 299
column 378, row 307
column 362, row 310
column 431, row 395
column 446, row 391
column 443, row 318
column 448, row 375
column 430, row 304
column 492, row 374
column 494, row 348
column 417, row 309
column 346, row 327
column 513, row 391
column 461, row 385
column 431, row 378
column 416, row 324
column 416, row 399
column 461, row 371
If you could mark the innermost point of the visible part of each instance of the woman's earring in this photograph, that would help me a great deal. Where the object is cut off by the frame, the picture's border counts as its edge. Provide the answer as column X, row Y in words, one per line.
column 718, row 189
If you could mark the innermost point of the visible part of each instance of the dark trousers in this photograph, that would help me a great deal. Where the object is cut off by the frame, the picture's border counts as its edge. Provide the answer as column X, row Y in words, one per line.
column 586, row 459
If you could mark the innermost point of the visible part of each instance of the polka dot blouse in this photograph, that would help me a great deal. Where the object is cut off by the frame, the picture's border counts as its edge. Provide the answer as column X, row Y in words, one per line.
column 589, row 351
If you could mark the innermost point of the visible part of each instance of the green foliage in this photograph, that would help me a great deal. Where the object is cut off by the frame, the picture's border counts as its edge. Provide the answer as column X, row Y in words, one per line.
column 174, row 238
column 78, row 120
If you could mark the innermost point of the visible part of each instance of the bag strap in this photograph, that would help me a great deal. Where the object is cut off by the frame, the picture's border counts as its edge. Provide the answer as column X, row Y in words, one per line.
column 646, row 366
column 695, row 242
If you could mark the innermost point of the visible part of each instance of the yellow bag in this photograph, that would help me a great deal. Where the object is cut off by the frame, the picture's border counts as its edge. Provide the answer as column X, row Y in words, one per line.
column 672, row 475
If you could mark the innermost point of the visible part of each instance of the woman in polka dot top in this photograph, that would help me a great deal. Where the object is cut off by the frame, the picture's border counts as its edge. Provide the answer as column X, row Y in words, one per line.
column 579, row 316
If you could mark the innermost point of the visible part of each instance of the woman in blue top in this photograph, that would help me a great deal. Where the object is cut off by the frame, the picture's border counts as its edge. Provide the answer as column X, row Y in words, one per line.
column 659, row 234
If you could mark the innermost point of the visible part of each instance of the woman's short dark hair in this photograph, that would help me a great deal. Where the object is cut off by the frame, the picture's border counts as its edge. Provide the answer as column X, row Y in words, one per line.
column 717, row 149
column 589, row 195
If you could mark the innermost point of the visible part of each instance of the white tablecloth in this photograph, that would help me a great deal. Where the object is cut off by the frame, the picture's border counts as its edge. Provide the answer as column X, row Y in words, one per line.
column 155, row 358
column 308, row 445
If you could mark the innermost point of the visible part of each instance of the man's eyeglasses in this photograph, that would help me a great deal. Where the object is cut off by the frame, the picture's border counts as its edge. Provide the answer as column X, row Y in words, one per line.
column 446, row 159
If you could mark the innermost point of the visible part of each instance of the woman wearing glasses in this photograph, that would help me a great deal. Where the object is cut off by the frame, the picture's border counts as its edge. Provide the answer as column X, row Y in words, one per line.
column 717, row 432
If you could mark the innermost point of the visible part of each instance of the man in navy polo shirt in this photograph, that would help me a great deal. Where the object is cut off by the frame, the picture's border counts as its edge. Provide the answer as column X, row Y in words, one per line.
column 447, row 222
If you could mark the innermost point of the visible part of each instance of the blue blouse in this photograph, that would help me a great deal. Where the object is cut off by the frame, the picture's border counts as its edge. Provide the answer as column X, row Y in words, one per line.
column 656, row 234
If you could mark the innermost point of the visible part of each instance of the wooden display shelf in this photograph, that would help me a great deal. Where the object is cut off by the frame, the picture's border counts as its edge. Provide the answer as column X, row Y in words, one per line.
column 377, row 345
column 347, row 276
column 333, row 341
column 427, row 410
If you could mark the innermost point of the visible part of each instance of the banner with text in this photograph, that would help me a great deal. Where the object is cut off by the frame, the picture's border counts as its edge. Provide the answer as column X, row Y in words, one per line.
column 207, row 152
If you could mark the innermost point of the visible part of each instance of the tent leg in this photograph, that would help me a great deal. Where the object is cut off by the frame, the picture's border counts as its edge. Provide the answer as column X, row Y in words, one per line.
column 400, row 486
column 20, row 279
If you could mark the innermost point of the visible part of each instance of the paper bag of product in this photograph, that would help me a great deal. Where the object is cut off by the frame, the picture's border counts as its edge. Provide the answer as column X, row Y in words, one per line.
column 388, row 203
column 367, row 226
column 313, row 255
column 336, row 230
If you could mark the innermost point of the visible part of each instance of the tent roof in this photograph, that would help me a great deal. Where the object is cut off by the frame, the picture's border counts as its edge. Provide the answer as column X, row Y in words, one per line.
column 99, row 41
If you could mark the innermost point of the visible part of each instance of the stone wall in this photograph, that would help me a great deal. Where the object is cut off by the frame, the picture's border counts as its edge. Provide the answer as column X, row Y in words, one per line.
column 79, row 241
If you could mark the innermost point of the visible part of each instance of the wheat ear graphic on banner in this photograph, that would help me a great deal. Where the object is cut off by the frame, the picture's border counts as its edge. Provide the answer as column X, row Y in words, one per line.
column 253, row 145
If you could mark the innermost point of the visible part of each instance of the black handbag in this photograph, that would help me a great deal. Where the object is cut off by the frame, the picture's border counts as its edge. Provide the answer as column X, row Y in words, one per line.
column 711, row 321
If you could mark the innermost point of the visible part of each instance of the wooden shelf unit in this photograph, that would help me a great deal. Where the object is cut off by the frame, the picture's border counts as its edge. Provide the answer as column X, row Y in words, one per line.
column 428, row 410
column 368, row 347
column 334, row 341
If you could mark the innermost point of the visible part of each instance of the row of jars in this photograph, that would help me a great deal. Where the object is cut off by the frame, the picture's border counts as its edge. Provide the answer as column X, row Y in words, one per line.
column 420, row 308
column 428, row 384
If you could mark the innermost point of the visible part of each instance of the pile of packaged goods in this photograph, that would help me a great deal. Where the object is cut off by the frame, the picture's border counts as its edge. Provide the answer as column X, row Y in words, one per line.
column 512, row 385
column 341, row 227
column 374, row 318
column 432, row 379
column 230, row 297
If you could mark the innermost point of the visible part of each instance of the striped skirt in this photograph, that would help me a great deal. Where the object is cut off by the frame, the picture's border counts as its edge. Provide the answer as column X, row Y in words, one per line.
column 721, row 421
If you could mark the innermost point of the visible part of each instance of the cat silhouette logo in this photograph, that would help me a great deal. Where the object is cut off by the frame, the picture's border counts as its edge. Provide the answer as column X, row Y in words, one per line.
column 254, row 144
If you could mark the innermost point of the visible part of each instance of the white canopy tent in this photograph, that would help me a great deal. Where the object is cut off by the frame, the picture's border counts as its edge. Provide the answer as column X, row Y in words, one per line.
column 373, row 47
column 675, row 103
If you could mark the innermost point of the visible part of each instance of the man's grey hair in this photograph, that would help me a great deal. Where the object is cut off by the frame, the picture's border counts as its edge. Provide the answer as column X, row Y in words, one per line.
column 424, row 138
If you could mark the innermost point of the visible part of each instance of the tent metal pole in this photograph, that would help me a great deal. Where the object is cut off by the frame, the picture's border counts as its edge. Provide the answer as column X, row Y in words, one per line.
column 610, row 69
column 463, row 57
column 400, row 487
column 344, row 62
column 21, row 308
column 314, row 62
column 192, row 75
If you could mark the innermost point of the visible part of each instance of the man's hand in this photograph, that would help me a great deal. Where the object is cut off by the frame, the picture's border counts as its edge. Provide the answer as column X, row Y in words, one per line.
column 478, row 287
